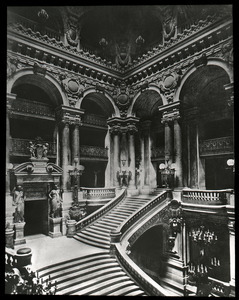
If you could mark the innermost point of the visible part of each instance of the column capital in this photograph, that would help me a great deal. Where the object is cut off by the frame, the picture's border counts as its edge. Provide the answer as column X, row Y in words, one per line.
column 229, row 88
column 69, row 115
column 170, row 116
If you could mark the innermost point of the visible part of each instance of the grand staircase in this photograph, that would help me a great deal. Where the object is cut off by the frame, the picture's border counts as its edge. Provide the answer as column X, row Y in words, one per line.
column 99, row 273
column 98, row 233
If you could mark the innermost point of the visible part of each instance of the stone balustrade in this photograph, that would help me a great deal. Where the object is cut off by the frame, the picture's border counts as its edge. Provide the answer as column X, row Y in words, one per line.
column 207, row 197
column 146, row 283
column 10, row 257
column 100, row 212
column 98, row 193
column 93, row 119
column 219, row 288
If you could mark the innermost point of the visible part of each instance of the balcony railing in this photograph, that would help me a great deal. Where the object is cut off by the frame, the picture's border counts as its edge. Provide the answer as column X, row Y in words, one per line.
column 207, row 197
column 33, row 108
column 93, row 119
column 216, row 146
column 93, row 151
column 21, row 147
column 98, row 193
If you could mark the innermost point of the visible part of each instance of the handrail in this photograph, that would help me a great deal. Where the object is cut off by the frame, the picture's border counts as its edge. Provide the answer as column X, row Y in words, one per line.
column 209, row 197
column 124, row 226
column 146, row 282
column 100, row 212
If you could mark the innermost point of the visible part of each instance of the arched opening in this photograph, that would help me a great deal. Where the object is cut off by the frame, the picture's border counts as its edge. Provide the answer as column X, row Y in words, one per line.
column 94, row 153
column 148, row 252
column 208, row 129
column 150, row 137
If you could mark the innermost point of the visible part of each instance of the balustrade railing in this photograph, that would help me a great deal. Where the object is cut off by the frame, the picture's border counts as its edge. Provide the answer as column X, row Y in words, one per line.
column 208, row 197
column 215, row 146
column 21, row 147
column 10, row 258
column 100, row 212
column 93, row 119
column 145, row 282
column 33, row 107
column 219, row 288
column 98, row 193
column 124, row 226
column 93, row 151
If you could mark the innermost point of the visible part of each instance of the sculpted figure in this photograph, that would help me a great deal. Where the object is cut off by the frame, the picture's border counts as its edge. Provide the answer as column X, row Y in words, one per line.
column 18, row 201
column 55, row 196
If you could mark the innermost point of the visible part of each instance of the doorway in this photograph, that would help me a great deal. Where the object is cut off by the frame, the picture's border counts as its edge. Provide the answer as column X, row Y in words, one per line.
column 217, row 174
column 36, row 217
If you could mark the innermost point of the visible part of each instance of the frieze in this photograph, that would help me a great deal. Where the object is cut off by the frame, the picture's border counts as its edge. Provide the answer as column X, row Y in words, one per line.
column 68, row 116
column 215, row 146
column 170, row 116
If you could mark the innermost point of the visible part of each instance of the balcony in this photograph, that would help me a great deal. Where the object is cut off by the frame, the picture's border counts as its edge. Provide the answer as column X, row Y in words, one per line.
column 218, row 146
column 93, row 152
column 24, row 107
column 93, row 120
column 20, row 147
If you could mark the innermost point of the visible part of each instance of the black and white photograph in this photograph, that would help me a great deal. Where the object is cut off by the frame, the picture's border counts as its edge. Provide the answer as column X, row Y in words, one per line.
column 120, row 159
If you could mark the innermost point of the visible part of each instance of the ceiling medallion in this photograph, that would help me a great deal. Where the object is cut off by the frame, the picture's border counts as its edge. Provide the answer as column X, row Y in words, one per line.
column 123, row 97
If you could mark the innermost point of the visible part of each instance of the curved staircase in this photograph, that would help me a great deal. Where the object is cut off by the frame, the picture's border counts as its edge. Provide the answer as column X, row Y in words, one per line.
column 98, row 273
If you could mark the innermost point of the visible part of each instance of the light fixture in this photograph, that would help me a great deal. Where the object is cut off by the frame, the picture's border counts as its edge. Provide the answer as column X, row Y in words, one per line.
column 103, row 42
column 167, row 173
column 230, row 162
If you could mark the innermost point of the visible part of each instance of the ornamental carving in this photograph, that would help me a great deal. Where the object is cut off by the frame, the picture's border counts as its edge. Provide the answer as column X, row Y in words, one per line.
column 123, row 57
column 39, row 69
column 227, row 52
column 73, row 87
column 170, row 116
column 123, row 96
column 69, row 117
column 72, row 32
column 168, row 85
column 38, row 149
column 11, row 67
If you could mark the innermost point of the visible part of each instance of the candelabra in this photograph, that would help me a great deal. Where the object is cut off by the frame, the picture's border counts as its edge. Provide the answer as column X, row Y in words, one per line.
column 167, row 173
column 202, row 236
column 75, row 172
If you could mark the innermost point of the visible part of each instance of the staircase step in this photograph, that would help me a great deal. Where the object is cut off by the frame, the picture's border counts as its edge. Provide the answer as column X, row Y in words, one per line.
column 70, row 281
column 72, row 262
column 112, row 225
column 136, row 293
column 101, row 229
column 100, row 286
column 110, row 220
column 117, row 213
column 117, row 218
column 97, row 239
column 98, row 245
column 113, row 288
column 104, row 226
column 91, row 280
column 96, row 230
column 60, row 274
column 124, row 290
column 95, row 235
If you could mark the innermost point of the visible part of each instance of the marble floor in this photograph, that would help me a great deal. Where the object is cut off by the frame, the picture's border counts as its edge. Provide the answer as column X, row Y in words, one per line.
column 47, row 250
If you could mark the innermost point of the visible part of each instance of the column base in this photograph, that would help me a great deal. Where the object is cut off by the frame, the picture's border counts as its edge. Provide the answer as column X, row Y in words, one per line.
column 55, row 227
column 54, row 234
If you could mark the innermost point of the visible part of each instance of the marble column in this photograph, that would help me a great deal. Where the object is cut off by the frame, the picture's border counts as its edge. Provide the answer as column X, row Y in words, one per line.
column 178, row 152
column 146, row 134
column 132, row 159
column 116, row 156
column 65, row 156
column 75, row 142
column 168, row 142
column 7, row 151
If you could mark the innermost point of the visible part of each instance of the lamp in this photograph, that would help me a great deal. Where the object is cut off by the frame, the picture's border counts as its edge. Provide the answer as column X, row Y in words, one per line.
column 231, row 164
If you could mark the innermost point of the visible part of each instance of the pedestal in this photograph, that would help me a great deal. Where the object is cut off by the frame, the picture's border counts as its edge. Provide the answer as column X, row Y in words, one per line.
column 9, row 243
column 71, row 228
column 23, row 256
column 19, row 230
column 55, row 227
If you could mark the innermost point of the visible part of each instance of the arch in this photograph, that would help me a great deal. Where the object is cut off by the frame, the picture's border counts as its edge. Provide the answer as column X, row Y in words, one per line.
column 47, row 83
column 103, row 98
column 211, row 62
column 147, row 109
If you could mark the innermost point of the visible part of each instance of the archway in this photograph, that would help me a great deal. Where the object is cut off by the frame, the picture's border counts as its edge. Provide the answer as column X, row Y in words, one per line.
column 208, row 126
column 94, row 138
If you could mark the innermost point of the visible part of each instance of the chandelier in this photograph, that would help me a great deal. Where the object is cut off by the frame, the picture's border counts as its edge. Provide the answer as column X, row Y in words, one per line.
column 202, row 236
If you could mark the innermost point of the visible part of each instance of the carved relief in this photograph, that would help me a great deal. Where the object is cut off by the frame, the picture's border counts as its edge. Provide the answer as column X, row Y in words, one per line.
column 123, row 58
column 11, row 67
column 73, row 88
column 39, row 69
column 227, row 52
column 169, row 116
column 123, row 96
column 168, row 85
column 38, row 149
column 72, row 32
